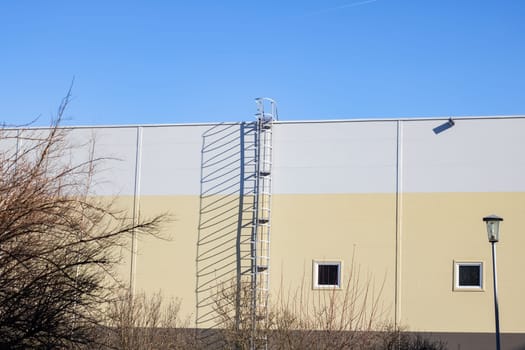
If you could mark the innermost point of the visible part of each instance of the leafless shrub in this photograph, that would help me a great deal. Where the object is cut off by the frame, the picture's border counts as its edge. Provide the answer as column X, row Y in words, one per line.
column 400, row 339
column 303, row 318
column 58, row 245
column 347, row 318
column 236, row 320
column 139, row 322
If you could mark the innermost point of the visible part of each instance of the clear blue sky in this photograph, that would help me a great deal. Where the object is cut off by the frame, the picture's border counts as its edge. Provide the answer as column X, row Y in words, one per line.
column 197, row 61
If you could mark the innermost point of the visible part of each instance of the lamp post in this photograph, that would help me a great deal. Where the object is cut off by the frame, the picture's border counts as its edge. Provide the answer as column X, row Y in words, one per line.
column 492, row 222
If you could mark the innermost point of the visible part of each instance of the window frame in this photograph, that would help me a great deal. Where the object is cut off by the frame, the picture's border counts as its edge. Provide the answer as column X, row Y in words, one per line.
column 478, row 288
column 315, row 274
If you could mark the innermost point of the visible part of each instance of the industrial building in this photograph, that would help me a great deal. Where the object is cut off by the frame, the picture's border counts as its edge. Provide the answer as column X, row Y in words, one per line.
column 284, row 204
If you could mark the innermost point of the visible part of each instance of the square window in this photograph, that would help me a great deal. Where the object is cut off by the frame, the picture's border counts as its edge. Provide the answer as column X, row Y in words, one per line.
column 468, row 275
column 326, row 274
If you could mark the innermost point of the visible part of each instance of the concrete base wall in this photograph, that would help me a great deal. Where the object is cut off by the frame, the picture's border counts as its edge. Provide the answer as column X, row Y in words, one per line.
column 479, row 341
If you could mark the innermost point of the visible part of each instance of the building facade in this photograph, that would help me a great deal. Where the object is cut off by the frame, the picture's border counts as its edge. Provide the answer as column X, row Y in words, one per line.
column 398, row 202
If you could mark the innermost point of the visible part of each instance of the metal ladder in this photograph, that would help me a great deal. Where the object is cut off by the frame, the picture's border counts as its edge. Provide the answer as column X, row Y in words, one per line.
column 261, row 222
column 233, row 248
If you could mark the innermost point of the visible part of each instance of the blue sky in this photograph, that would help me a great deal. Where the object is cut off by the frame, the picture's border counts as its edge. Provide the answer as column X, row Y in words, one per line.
column 143, row 62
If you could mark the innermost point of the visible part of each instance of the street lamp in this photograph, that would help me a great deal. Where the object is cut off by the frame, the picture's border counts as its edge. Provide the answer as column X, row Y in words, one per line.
column 492, row 222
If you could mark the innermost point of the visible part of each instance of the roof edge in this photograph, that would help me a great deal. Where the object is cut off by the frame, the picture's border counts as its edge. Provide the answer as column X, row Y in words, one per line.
column 318, row 121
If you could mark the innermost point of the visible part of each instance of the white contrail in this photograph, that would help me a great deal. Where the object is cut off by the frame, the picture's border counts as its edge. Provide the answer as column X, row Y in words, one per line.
column 352, row 4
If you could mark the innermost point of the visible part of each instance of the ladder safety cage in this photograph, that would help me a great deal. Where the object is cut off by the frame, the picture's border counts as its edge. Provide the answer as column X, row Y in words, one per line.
column 260, row 271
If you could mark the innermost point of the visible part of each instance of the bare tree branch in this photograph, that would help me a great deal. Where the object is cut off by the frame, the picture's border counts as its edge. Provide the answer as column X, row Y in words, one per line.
column 58, row 245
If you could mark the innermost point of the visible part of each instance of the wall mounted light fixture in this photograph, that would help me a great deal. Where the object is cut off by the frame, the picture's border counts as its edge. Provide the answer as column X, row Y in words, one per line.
column 439, row 129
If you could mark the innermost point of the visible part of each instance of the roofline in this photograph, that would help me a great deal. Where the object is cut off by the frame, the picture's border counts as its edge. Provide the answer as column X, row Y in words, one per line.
column 318, row 121
column 520, row 116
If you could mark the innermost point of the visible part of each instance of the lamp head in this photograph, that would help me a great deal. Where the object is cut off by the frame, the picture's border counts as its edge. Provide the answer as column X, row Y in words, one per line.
column 492, row 222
